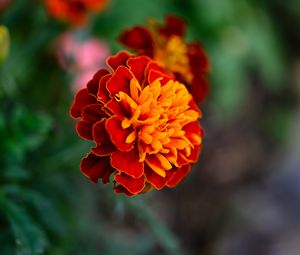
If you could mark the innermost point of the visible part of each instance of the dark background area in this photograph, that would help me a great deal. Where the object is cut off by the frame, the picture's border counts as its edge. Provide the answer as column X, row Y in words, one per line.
column 241, row 198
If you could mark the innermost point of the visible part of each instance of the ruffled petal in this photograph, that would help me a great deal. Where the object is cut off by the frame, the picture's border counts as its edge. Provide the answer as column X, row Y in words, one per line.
column 103, row 94
column 128, row 162
column 90, row 115
column 193, row 132
column 104, row 145
column 178, row 175
column 156, row 180
column 139, row 39
column 82, row 99
column 133, row 185
column 84, row 129
column 173, row 26
column 93, row 112
column 158, row 163
column 154, row 75
column 198, row 59
column 137, row 66
column 95, row 168
column 93, row 84
column 119, row 59
column 119, row 189
column 199, row 88
column 120, row 109
column 119, row 81
column 118, row 134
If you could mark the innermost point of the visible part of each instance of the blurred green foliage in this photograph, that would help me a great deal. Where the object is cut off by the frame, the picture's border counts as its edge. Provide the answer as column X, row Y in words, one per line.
column 46, row 205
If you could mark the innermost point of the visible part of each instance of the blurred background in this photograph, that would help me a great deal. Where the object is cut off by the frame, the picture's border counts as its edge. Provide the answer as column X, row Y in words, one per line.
column 242, row 197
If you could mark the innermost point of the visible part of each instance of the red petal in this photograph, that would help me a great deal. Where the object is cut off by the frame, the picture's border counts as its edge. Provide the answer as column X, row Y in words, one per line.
column 103, row 94
column 93, row 84
column 139, row 39
column 120, row 81
column 90, row 115
column 173, row 26
column 198, row 59
column 137, row 66
column 117, row 134
column 153, row 75
column 104, row 145
column 95, row 168
column 120, row 109
column 193, row 130
column 119, row 189
column 193, row 157
column 156, row 180
column 181, row 159
column 119, row 59
column 82, row 99
column 133, row 185
column 84, row 129
column 194, row 106
column 93, row 113
column 178, row 175
column 155, row 67
column 128, row 162
column 199, row 88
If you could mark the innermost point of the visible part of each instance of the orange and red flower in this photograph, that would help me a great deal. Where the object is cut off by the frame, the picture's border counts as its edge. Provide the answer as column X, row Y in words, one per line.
column 143, row 122
column 165, row 44
column 74, row 11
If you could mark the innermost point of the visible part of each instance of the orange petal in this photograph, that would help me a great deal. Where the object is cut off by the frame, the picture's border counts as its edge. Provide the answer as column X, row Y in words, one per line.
column 158, row 164
column 121, row 109
column 95, row 168
column 118, row 134
column 128, row 162
column 193, row 132
column 156, row 180
column 133, row 185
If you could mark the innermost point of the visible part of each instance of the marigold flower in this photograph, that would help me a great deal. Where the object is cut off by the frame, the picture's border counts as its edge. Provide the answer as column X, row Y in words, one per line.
column 74, row 11
column 165, row 44
column 144, row 125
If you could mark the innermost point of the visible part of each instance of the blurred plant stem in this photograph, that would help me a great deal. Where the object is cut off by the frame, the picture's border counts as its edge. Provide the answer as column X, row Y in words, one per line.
column 163, row 235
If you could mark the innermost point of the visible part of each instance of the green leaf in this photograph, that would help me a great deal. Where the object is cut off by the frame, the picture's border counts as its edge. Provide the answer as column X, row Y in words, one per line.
column 29, row 237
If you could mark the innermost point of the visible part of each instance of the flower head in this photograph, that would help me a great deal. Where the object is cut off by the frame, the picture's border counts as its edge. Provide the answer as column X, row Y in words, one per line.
column 74, row 11
column 144, row 125
column 166, row 44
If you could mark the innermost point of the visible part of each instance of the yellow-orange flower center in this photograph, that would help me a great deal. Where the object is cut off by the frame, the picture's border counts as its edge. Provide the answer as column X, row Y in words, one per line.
column 172, row 54
column 158, row 115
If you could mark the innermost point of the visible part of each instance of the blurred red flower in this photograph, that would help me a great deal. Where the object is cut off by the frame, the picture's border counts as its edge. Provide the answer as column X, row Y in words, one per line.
column 74, row 11
column 165, row 44
column 143, row 122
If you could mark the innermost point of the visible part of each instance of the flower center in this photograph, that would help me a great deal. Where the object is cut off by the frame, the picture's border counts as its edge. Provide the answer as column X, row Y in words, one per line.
column 172, row 54
column 158, row 115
